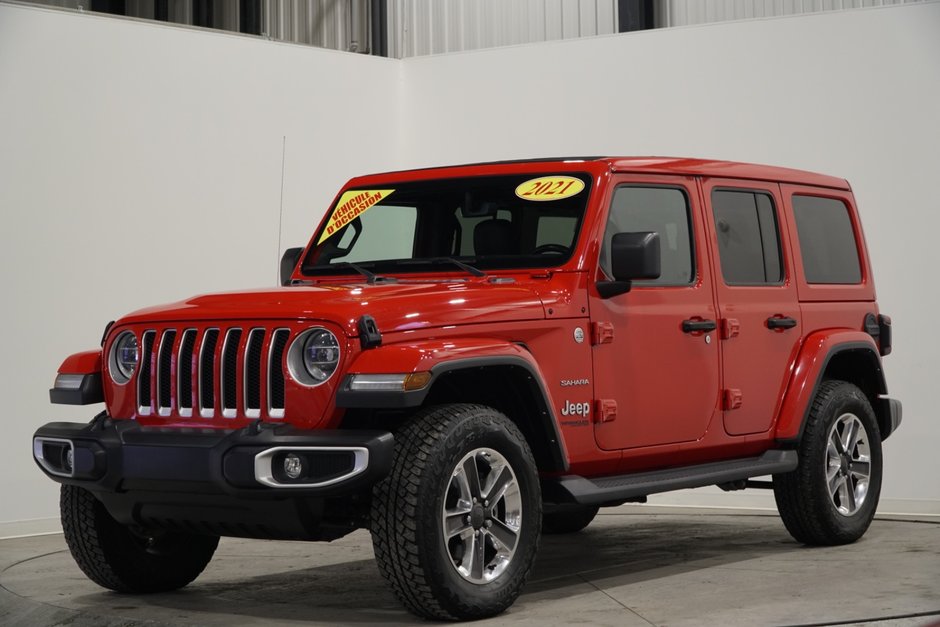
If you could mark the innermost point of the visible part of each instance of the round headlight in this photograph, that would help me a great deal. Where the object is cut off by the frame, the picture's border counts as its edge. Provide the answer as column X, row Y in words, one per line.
column 125, row 353
column 321, row 354
column 314, row 356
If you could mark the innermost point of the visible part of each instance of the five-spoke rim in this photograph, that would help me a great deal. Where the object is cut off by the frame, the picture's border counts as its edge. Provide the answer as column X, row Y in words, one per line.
column 481, row 515
column 848, row 464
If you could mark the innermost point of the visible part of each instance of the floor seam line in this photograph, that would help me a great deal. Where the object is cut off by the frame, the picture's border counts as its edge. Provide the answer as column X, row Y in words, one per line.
column 621, row 604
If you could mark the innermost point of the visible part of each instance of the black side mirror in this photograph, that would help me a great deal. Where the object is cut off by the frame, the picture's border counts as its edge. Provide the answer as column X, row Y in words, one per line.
column 632, row 256
column 288, row 263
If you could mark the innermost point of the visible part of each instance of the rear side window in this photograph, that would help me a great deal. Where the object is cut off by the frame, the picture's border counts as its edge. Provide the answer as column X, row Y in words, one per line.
column 748, row 238
column 827, row 240
column 660, row 209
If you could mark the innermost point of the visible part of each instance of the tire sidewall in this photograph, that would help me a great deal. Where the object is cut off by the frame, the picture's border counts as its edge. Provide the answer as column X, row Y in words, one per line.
column 846, row 399
column 482, row 428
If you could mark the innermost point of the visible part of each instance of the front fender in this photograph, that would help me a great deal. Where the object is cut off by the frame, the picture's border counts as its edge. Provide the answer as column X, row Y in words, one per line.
column 79, row 380
column 818, row 350
column 498, row 361
column 433, row 356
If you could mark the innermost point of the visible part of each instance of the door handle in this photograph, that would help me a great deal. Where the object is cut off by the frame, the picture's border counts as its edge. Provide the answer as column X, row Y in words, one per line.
column 780, row 322
column 694, row 325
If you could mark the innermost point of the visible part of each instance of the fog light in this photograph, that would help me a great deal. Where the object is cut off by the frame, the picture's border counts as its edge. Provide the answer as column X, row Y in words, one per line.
column 69, row 459
column 293, row 466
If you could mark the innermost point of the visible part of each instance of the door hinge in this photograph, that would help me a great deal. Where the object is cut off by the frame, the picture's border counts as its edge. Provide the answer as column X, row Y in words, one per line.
column 732, row 399
column 605, row 410
column 602, row 333
column 730, row 328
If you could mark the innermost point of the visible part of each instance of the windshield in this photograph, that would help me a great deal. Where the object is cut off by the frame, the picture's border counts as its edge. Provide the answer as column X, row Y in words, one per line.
column 466, row 224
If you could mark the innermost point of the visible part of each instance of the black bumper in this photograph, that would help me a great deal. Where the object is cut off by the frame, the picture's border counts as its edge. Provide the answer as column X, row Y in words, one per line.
column 122, row 455
column 230, row 482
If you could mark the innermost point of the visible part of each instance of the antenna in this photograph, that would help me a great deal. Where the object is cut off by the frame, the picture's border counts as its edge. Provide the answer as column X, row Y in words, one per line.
column 280, row 217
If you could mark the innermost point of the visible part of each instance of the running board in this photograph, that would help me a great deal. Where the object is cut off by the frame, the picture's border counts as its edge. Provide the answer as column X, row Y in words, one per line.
column 577, row 489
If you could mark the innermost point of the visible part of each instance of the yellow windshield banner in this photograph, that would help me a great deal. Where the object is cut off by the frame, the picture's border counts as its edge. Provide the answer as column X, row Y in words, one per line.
column 351, row 205
column 549, row 188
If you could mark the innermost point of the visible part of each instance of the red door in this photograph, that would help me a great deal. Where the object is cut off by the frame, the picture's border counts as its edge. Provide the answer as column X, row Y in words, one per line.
column 760, row 324
column 663, row 379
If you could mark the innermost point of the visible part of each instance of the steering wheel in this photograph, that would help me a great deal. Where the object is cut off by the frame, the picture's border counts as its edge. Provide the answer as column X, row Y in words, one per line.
column 551, row 249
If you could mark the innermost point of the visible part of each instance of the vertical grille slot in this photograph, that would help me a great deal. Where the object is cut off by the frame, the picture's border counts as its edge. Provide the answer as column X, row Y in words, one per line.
column 207, row 374
column 184, row 373
column 143, row 377
column 253, row 373
column 229, row 374
column 276, row 373
column 164, row 373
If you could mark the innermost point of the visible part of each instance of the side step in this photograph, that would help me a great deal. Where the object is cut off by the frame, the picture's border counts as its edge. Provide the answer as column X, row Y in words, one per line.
column 577, row 489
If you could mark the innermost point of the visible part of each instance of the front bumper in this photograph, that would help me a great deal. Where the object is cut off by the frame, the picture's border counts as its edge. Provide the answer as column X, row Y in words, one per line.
column 230, row 482
column 121, row 455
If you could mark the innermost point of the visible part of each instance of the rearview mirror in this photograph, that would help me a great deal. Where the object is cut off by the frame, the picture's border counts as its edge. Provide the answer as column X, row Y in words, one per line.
column 288, row 263
column 632, row 256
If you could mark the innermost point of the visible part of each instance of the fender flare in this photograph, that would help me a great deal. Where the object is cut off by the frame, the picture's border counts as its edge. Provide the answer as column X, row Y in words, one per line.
column 818, row 351
column 446, row 357
column 86, row 386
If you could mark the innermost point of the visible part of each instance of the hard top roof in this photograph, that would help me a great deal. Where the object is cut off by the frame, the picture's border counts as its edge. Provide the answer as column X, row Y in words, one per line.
column 650, row 165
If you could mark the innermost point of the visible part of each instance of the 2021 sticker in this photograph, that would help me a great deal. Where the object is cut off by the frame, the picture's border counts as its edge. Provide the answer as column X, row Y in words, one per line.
column 550, row 188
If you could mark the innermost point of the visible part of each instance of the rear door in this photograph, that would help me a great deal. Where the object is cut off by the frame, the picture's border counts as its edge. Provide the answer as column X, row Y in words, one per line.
column 760, row 324
column 656, row 379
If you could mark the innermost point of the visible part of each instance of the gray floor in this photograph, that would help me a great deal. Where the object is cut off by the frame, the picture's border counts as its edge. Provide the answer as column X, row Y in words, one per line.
column 635, row 565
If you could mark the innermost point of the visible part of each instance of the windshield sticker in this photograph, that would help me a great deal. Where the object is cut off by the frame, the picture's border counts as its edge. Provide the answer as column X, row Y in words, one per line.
column 351, row 205
column 549, row 188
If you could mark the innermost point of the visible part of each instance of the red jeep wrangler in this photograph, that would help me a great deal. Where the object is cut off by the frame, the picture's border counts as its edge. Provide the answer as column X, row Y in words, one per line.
column 465, row 357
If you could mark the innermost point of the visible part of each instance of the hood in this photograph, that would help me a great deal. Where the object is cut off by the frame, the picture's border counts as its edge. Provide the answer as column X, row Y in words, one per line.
column 395, row 306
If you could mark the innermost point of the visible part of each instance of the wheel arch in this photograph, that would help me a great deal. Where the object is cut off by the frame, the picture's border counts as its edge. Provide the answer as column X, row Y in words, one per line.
column 850, row 356
column 497, row 373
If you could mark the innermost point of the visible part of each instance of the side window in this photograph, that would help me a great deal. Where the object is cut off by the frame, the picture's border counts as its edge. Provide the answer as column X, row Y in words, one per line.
column 827, row 240
column 748, row 237
column 664, row 210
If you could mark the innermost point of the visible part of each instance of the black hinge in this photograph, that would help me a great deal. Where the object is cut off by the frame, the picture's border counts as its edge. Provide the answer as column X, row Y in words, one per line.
column 369, row 334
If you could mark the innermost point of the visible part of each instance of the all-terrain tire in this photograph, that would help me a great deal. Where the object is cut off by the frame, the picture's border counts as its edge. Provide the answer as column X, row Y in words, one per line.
column 437, row 453
column 568, row 520
column 121, row 559
column 828, row 500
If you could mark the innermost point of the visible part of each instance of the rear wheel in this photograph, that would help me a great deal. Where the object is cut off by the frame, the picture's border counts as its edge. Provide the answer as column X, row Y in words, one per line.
column 125, row 559
column 832, row 495
column 569, row 519
column 455, row 525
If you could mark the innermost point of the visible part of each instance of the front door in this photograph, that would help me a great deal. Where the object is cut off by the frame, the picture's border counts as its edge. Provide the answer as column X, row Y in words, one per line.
column 760, row 315
column 654, row 354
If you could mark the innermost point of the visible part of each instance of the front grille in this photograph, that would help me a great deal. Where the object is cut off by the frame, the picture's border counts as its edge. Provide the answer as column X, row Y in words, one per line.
column 221, row 371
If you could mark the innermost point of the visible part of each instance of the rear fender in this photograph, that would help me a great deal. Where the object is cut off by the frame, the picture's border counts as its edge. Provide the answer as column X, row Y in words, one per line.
column 848, row 355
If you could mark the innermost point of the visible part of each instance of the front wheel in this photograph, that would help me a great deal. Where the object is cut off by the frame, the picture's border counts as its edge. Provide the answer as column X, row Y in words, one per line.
column 831, row 496
column 455, row 525
column 125, row 559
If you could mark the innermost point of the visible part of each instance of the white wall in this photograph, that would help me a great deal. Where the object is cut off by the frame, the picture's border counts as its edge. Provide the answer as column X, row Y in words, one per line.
column 849, row 93
column 141, row 163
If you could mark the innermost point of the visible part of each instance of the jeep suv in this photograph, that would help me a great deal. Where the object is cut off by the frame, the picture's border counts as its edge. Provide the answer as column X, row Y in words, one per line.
column 463, row 358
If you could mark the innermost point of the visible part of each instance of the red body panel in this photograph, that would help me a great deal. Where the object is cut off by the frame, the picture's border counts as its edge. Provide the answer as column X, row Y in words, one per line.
column 87, row 362
column 806, row 371
column 670, row 388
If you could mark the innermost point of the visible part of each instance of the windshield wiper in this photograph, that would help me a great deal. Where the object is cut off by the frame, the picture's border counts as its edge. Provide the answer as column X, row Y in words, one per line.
column 371, row 277
column 463, row 266
column 437, row 260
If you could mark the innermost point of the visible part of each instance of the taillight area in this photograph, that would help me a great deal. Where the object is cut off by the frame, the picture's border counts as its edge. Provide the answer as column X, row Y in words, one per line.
column 219, row 374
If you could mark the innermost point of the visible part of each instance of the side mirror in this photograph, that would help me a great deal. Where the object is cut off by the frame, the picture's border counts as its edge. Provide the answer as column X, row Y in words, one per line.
column 632, row 256
column 288, row 263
